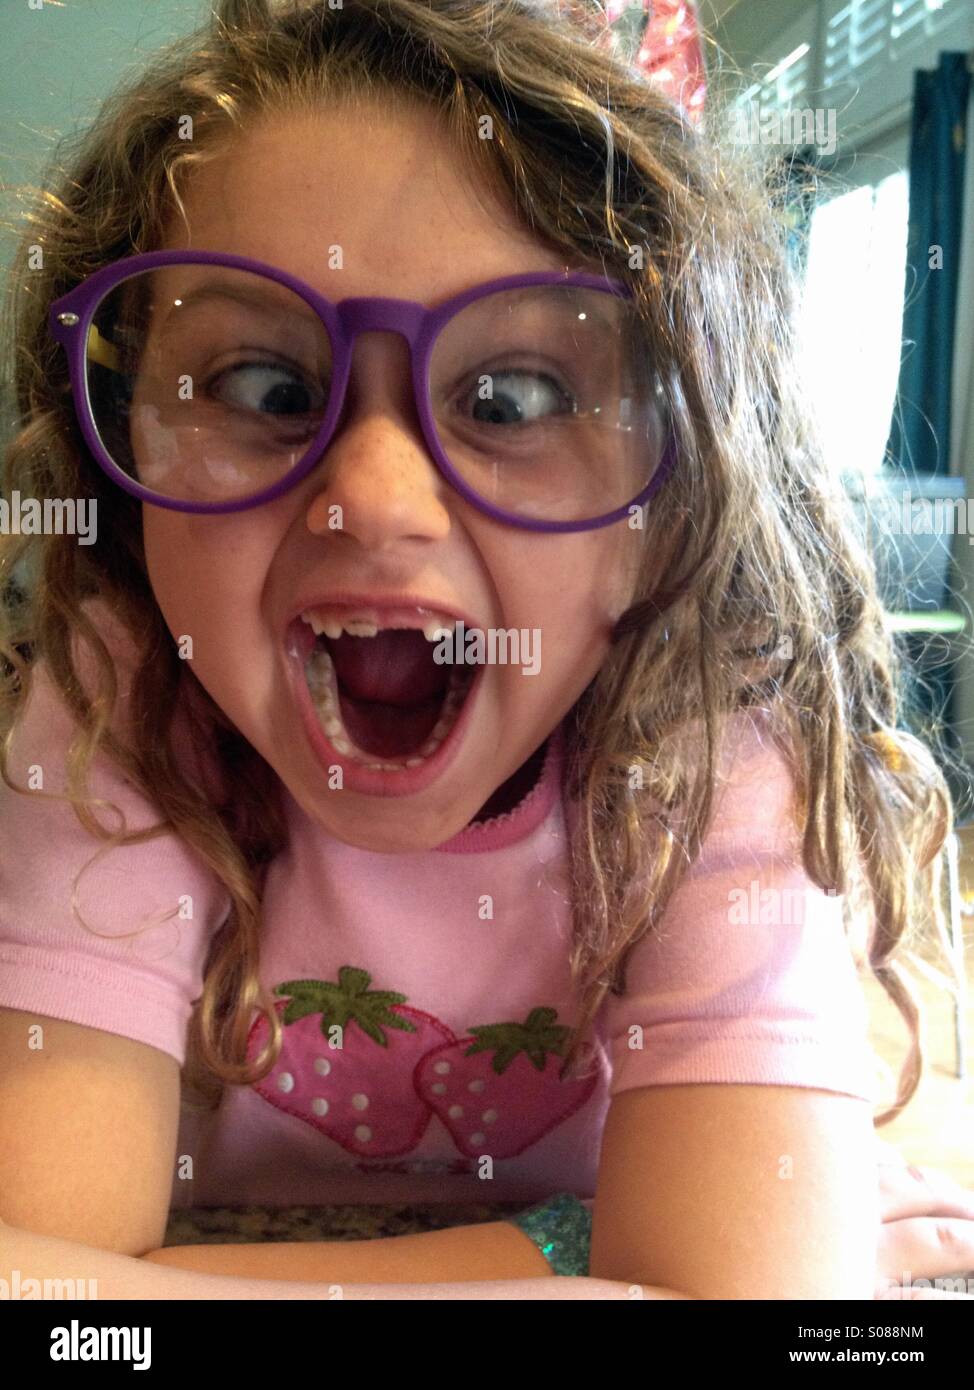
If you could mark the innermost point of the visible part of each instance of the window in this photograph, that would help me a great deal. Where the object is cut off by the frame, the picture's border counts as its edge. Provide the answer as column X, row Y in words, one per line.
column 784, row 86
column 857, row 56
column 866, row 36
column 851, row 321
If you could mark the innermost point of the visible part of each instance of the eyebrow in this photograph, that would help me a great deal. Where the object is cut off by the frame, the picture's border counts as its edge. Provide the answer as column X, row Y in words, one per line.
column 260, row 297
column 271, row 298
column 596, row 308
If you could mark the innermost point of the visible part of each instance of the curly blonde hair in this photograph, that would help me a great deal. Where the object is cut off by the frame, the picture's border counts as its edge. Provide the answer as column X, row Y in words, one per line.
column 754, row 592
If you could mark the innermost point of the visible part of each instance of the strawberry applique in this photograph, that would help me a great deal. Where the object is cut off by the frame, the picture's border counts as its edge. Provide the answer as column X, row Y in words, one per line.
column 498, row 1090
column 360, row 1093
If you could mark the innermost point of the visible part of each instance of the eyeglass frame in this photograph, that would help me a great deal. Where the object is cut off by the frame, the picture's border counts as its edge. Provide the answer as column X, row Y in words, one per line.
column 70, row 319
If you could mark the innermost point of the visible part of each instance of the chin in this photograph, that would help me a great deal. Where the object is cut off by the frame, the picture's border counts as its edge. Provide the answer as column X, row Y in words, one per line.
column 392, row 833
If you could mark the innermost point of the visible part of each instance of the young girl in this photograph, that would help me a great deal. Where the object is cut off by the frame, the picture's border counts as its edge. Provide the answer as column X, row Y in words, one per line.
column 464, row 767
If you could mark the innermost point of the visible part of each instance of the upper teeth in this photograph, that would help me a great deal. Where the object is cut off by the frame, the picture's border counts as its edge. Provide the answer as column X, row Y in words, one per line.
column 434, row 629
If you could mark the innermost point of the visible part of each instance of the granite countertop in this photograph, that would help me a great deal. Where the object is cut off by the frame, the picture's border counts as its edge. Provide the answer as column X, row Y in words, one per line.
column 250, row 1225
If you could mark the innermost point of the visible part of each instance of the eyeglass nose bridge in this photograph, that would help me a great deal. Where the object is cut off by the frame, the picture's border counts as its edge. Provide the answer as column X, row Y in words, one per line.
column 371, row 314
column 366, row 314
column 418, row 325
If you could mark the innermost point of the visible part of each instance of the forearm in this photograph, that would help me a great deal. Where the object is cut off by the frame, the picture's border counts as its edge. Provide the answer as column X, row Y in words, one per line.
column 43, row 1257
column 39, row 1257
column 459, row 1254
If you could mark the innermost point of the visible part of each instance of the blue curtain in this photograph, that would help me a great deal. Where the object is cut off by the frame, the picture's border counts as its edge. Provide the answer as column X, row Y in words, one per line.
column 920, row 435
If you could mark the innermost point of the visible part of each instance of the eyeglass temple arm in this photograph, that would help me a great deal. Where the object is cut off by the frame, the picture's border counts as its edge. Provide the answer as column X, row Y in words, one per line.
column 103, row 352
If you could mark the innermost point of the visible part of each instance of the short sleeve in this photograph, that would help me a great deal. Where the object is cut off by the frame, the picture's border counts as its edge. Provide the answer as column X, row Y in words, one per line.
column 134, row 965
column 748, row 977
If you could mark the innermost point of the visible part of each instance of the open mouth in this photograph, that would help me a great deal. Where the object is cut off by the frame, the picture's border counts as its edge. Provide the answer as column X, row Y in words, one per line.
column 380, row 695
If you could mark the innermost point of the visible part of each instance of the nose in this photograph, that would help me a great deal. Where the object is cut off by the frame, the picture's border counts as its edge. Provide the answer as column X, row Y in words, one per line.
column 376, row 481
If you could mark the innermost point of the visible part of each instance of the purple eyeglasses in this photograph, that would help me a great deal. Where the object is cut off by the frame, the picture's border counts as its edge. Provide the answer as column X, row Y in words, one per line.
column 586, row 357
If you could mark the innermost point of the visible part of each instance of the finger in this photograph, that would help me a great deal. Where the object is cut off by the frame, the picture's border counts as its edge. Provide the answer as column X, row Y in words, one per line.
column 910, row 1191
column 926, row 1247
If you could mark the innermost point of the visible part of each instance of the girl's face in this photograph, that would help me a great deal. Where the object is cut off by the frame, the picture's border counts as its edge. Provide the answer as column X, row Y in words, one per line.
column 384, row 186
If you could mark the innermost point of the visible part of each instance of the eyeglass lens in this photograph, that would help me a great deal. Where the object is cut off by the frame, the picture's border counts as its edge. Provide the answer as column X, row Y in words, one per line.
column 209, row 384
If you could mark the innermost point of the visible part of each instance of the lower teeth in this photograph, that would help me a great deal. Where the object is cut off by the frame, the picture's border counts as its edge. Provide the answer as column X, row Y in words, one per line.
column 320, row 674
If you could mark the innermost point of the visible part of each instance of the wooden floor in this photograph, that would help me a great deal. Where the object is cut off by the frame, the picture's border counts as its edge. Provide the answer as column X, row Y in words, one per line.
column 937, row 1127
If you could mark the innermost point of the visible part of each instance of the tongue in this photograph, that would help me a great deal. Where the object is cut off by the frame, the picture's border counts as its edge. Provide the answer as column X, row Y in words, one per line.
column 389, row 731
column 391, row 690
column 393, row 668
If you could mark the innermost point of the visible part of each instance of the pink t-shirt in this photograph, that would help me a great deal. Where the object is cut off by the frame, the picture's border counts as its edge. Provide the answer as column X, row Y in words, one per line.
column 444, row 977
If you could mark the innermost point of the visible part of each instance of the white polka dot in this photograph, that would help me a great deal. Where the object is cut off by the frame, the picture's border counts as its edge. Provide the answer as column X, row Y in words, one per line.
column 285, row 1082
column 360, row 1102
column 441, row 1067
column 319, row 1105
column 477, row 1138
column 322, row 1066
column 489, row 1116
column 438, row 1088
column 455, row 1112
column 363, row 1133
column 477, row 1085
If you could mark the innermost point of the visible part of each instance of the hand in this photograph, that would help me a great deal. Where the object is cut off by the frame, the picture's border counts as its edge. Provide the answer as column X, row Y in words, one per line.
column 927, row 1229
